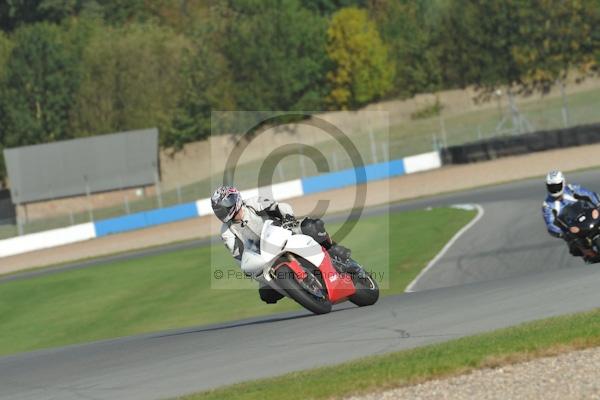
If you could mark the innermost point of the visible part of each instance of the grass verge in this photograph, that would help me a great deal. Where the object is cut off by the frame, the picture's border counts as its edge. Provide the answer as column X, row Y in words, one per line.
column 505, row 346
column 172, row 290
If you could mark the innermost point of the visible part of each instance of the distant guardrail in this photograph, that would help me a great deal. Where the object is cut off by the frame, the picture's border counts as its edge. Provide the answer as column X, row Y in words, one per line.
column 280, row 191
column 505, row 146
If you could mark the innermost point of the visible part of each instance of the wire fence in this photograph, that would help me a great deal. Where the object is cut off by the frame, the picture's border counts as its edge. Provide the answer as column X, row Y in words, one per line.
column 409, row 137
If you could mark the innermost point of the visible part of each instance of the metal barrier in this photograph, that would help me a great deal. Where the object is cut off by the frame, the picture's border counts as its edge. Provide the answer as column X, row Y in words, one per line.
column 490, row 149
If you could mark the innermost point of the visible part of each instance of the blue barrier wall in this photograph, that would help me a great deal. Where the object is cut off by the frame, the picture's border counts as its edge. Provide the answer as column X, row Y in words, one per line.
column 295, row 188
column 145, row 219
column 313, row 184
column 352, row 176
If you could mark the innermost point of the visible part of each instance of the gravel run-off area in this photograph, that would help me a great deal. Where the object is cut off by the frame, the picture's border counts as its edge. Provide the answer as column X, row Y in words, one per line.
column 574, row 375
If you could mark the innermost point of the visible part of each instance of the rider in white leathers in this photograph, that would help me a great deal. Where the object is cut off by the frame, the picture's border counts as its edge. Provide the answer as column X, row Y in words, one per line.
column 243, row 220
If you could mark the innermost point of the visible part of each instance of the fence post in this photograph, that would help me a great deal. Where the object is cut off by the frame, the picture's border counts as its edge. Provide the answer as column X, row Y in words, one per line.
column 334, row 160
column 280, row 172
column 157, row 187
column 20, row 219
column 443, row 134
column 124, row 193
column 373, row 146
column 565, row 106
column 302, row 167
column 514, row 113
column 179, row 193
column 385, row 151
column 126, row 202
column 89, row 200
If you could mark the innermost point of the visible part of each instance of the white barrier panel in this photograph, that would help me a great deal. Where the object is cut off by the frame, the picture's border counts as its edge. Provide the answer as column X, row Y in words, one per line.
column 287, row 190
column 249, row 193
column 279, row 191
column 422, row 162
column 46, row 239
column 204, row 207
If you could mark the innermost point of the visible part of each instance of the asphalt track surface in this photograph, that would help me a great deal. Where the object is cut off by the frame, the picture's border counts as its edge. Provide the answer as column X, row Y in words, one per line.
column 503, row 271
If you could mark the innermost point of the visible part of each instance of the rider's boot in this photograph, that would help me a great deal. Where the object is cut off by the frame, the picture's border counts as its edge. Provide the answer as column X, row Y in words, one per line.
column 340, row 256
column 269, row 295
column 340, row 252
column 315, row 228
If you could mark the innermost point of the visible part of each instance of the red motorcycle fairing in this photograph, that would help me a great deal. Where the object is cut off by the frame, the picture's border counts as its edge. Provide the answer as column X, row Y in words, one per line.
column 339, row 286
column 295, row 266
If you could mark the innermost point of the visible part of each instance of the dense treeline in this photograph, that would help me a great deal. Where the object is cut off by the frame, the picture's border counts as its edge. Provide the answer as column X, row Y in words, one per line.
column 72, row 68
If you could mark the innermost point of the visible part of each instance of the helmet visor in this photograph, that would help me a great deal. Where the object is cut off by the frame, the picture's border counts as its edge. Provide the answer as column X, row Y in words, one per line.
column 225, row 207
column 554, row 188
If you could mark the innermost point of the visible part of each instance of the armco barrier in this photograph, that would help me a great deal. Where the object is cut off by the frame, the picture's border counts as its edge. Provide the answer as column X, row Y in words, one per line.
column 490, row 149
column 279, row 191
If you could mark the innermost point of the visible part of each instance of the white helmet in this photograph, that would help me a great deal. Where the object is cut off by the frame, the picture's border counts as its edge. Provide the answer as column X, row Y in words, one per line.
column 555, row 183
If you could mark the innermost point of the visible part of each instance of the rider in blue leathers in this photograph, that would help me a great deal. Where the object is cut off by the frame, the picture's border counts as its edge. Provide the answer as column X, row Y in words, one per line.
column 561, row 194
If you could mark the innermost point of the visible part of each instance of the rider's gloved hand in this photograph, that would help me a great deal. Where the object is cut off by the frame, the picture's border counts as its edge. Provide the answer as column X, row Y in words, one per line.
column 289, row 221
column 288, row 218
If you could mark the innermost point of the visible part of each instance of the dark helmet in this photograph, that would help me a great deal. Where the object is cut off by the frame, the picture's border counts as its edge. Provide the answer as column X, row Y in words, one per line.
column 226, row 201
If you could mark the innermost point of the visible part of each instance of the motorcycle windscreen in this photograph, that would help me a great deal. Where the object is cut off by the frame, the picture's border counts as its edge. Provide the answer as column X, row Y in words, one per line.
column 273, row 239
column 572, row 213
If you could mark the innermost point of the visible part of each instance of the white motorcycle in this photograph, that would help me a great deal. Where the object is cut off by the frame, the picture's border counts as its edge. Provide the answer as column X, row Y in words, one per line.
column 298, row 267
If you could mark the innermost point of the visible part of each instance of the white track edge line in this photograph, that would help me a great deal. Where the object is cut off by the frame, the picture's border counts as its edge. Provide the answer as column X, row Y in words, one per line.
column 480, row 213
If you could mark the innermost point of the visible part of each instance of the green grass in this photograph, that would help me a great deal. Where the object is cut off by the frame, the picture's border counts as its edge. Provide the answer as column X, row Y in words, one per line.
column 539, row 338
column 173, row 290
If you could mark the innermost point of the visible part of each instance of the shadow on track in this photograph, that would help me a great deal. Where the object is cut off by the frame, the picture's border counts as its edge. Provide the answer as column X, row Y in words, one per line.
column 239, row 324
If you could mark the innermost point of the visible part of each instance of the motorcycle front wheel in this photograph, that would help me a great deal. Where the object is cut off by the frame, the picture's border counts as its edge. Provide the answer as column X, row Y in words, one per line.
column 367, row 290
column 309, row 294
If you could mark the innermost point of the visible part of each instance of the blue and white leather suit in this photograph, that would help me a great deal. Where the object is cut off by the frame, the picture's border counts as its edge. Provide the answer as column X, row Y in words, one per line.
column 552, row 206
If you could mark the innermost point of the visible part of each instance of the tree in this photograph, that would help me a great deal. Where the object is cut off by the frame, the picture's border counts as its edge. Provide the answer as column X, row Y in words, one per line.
column 6, row 47
column 330, row 6
column 5, row 50
column 474, row 48
column 208, row 85
column 14, row 13
column 132, row 79
column 42, row 75
column 363, row 71
column 276, row 52
column 527, row 45
column 596, row 40
column 557, row 38
column 408, row 28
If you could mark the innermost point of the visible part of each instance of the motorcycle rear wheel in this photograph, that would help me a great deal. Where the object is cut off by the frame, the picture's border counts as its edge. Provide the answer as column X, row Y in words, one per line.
column 367, row 290
column 286, row 280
